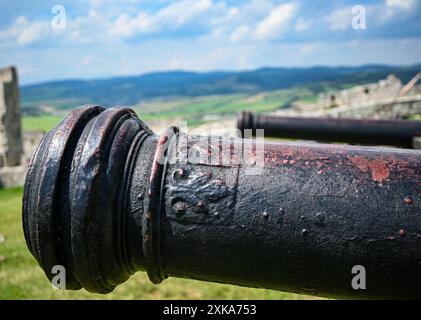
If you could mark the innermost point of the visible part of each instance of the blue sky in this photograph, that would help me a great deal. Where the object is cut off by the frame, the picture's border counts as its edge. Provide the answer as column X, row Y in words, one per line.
column 104, row 38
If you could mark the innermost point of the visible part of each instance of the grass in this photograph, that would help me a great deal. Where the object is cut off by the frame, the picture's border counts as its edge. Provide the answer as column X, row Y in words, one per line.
column 222, row 105
column 194, row 109
column 42, row 122
column 22, row 278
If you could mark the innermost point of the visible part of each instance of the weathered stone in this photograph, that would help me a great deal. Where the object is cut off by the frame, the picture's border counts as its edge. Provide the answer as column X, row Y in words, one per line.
column 12, row 176
column 31, row 140
column 390, row 108
column 11, row 148
column 383, row 89
column 14, row 151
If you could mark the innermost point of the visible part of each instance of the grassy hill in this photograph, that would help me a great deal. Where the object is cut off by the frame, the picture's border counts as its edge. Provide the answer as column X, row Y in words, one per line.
column 195, row 110
column 164, row 85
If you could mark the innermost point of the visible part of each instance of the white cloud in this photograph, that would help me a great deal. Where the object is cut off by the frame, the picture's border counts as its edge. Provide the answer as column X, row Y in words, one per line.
column 127, row 26
column 378, row 14
column 276, row 23
column 223, row 15
column 199, row 34
column 302, row 25
column 99, row 25
column 340, row 19
column 240, row 33
column 401, row 4
column 24, row 32
column 178, row 13
column 170, row 17
column 391, row 10
column 271, row 25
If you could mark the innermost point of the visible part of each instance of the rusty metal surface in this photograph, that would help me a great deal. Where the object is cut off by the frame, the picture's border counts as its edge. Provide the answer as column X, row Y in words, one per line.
column 398, row 133
column 104, row 198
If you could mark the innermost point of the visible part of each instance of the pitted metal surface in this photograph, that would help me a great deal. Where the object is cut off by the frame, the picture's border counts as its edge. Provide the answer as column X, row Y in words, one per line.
column 106, row 197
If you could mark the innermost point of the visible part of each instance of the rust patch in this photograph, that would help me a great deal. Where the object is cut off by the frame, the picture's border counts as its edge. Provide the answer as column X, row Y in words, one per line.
column 378, row 167
column 408, row 200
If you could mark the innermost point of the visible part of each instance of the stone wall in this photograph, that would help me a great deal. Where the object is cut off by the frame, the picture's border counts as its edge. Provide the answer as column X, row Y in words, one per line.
column 12, row 169
column 14, row 176
column 11, row 147
column 384, row 89
column 392, row 108
column 31, row 140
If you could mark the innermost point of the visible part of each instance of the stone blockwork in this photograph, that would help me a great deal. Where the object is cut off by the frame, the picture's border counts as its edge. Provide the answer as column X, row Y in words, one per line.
column 381, row 100
column 13, row 156
column 14, row 176
column 31, row 140
column 11, row 147
column 384, row 89
column 391, row 108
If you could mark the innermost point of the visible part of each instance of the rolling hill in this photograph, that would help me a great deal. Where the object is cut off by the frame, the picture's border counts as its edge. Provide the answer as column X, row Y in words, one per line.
column 131, row 90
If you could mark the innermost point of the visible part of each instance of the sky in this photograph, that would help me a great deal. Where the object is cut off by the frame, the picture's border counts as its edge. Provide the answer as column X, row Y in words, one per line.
column 67, row 39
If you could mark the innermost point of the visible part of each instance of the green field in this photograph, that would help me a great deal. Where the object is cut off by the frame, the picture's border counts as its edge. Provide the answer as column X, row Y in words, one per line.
column 196, row 108
column 193, row 109
column 22, row 278
column 42, row 122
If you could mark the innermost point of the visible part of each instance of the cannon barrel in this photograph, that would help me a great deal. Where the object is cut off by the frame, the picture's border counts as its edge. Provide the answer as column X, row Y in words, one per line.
column 105, row 197
column 399, row 133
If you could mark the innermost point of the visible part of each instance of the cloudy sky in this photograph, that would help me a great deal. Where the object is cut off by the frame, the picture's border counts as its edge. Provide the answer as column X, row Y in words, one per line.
column 102, row 38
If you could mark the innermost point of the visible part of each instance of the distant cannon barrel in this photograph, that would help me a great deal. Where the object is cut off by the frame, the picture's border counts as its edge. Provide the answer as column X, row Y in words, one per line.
column 399, row 133
column 105, row 197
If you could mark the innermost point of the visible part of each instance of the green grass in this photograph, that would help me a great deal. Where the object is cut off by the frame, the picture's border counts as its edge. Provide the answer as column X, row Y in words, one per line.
column 22, row 278
column 416, row 117
column 193, row 109
column 42, row 122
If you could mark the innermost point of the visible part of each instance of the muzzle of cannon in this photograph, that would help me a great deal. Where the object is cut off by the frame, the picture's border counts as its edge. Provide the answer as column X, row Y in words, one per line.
column 399, row 133
column 105, row 197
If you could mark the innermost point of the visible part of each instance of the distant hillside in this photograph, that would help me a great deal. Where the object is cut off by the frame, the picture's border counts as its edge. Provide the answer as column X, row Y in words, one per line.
column 133, row 89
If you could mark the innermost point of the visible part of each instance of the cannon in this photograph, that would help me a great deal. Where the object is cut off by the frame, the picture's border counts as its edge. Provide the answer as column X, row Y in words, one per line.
column 105, row 197
column 399, row 133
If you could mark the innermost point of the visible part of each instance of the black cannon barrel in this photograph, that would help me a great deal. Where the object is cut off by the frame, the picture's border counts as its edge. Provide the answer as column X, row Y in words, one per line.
column 105, row 197
column 400, row 133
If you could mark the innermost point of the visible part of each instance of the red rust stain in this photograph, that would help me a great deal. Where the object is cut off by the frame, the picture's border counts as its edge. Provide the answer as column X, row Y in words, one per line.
column 408, row 200
column 379, row 170
column 378, row 167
